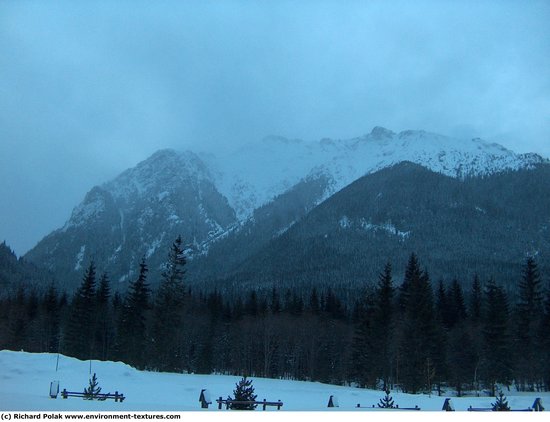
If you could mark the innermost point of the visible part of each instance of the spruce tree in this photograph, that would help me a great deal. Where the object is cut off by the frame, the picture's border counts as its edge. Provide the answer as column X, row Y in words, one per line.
column 420, row 359
column 166, row 336
column 497, row 352
column 51, row 320
column 412, row 273
column 104, row 332
column 442, row 305
column 386, row 402
column 501, row 404
column 244, row 391
column 363, row 350
column 529, row 311
column 78, row 337
column 544, row 344
column 462, row 357
column 314, row 304
column 383, row 327
column 17, row 321
column 132, row 340
column 275, row 302
column 476, row 299
column 456, row 303
column 92, row 391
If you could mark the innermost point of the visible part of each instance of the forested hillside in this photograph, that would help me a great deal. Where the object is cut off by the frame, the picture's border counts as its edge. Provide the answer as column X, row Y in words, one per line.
column 480, row 225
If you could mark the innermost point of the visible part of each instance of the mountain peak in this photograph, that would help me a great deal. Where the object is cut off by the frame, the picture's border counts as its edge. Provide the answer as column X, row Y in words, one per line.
column 379, row 133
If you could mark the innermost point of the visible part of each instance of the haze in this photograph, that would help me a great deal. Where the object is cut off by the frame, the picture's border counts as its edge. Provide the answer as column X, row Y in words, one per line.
column 88, row 89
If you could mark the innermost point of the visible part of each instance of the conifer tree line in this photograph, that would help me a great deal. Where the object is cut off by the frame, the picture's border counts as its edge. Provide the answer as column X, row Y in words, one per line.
column 413, row 335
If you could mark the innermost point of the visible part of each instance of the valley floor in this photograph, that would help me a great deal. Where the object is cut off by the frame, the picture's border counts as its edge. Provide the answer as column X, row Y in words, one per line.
column 25, row 380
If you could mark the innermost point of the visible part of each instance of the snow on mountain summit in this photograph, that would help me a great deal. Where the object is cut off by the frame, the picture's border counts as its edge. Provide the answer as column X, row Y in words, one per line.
column 256, row 173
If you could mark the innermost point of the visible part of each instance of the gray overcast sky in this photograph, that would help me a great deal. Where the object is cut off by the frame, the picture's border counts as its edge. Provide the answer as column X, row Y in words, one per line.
column 88, row 89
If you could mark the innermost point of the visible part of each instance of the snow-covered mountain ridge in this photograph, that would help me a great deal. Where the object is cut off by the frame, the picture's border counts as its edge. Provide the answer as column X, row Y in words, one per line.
column 260, row 189
column 253, row 175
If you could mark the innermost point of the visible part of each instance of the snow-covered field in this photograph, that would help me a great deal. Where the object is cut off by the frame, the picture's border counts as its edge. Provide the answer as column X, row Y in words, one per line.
column 25, row 381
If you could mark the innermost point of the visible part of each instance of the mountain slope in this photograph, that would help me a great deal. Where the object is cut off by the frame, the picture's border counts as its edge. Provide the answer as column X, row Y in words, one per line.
column 15, row 273
column 484, row 225
column 228, row 208
column 137, row 215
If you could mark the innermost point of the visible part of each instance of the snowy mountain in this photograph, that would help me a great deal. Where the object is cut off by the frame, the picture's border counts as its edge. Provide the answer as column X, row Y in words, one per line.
column 256, row 173
column 250, row 196
column 458, row 228
column 137, row 215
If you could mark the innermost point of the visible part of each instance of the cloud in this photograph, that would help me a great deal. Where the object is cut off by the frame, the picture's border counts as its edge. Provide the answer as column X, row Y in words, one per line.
column 88, row 89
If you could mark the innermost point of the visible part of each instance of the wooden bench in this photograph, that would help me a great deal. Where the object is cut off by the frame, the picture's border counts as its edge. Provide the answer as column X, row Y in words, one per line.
column 491, row 409
column 480, row 409
column 264, row 403
column 386, row 408
column 118, row 397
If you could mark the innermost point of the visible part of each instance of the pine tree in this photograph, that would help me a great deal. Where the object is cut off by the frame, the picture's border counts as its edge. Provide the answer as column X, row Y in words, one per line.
column 132, row 339
column 17, row 321
column 544, row 343
column 441, row 304
column 275, row 302
column 501, row 404
column 92, row 391
column 363, row 350
column 168, row 312
column 104, row 333
column 244, row 391
column 383, row 327
column 314, row 304
column 456, row 303
column 529, row 311
column 412, row 273
column 497, row 359
column 78, row 338
column 251, row 306
column 419, row 346
column 51, row 320
column 476, row 300
column 386, row 402
column 461, row 357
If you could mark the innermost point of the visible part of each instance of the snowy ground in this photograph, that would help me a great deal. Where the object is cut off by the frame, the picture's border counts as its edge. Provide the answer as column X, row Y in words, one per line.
column 25, row 380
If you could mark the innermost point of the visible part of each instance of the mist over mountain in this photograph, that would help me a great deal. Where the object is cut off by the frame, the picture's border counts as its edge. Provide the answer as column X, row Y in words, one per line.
column 234, row 211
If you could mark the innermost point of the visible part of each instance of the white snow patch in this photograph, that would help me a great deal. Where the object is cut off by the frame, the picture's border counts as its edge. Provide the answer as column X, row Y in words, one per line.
column 154, row 246
column 80, row 258
column 388, row 227
column 284, row 229
column 345, row 222
column 26, row 379
column 84, row 212
column 163, row 195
